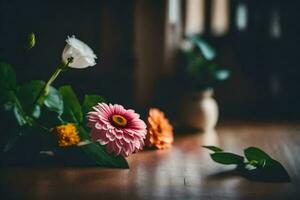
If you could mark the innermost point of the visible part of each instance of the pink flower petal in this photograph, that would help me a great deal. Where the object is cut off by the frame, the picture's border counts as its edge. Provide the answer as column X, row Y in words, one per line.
column 118, row 140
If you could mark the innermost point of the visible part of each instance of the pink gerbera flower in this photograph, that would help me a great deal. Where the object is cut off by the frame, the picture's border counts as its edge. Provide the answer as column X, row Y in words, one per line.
column 121, row 130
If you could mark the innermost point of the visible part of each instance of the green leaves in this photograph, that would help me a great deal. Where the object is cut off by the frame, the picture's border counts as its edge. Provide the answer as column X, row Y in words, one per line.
column 253, row 153
column 206, row 49
column 97, row 152
column 265, row 165
column 54, row 101
column 7, row 77
column 83, row 134
column 72, row 108
column 8, row 83
column 200, row 68
column 90, row 101
column 222, row 74
column 37, row 108
column 74, row 112
column 223, row 157
column 28, row 93
column 258, row 165
column 213, row 148
column 227, row 158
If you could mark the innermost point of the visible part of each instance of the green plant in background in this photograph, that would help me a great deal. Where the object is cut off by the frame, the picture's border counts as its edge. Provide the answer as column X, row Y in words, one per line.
column 34, row 109
column 201, row 70
column 257, row 164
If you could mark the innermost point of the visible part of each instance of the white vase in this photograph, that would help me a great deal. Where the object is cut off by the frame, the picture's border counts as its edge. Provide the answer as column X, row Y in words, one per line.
column 199, row 111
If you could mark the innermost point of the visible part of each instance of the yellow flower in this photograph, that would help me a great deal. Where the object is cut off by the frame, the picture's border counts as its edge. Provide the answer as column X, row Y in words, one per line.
column 67, row 135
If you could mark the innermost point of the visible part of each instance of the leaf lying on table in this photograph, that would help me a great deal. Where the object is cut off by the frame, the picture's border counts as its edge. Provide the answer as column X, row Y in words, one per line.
column 97, row 153
column 213, row 148
column 89, row 154
column 257, row 164
column 227, row 158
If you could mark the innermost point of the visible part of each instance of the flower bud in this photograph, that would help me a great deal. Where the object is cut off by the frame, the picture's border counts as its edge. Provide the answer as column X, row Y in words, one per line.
column 31, row 40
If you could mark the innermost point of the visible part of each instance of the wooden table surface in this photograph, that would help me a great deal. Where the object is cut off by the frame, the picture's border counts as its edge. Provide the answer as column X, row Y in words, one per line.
column 183, row 172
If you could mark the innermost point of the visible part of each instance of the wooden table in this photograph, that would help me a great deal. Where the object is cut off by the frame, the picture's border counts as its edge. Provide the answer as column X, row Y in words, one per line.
column 182, row 172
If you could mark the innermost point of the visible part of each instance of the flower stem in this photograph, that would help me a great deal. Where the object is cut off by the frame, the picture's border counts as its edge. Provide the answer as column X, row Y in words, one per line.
column 44, row 91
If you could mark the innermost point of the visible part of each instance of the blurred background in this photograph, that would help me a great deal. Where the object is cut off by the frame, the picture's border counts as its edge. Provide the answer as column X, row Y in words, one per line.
column 138, row 46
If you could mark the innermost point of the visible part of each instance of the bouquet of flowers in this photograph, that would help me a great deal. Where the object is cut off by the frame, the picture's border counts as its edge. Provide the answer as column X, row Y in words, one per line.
column 47, row 124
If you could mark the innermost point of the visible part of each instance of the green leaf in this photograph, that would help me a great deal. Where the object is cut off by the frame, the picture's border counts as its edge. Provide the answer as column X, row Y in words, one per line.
column 83, row 134
column 270, row 170
column 253, row 153
column 7, row 77
column 28, row 94
column 7, row 98
column 97, row 152
column 271, row 164
column 19, row 115
column 222, row 74
column 213, row 148
column 260, row 166
column 72, row 109
column 206, row 49
column 227, row 158
column 13, row 105
column 53, row 101
column 90, row 101
column 276, row 169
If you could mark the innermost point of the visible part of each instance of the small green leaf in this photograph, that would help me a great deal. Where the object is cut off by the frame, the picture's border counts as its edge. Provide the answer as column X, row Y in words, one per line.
column 253, row 153
column 213, row 148
column 222, row 74
column 227, row 158
column 28, row 94
column 21, row 119
column 83, row 134
column 72, row 109
column 90, row 101
column 97, row 152
column 31, row 40
column 13, row 104
column 36, row 113
column 7, row 77
column 53, row 101
column 206, row 49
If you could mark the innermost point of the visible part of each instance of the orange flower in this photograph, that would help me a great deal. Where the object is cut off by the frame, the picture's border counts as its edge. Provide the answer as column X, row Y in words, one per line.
column 160, row 131
column 67, row 135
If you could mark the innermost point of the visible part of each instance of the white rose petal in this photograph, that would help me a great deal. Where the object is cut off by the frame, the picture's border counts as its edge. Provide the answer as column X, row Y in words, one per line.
column 83, row 56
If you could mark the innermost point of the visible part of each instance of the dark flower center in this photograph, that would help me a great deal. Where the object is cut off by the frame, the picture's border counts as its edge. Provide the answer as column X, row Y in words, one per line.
column 119, row 120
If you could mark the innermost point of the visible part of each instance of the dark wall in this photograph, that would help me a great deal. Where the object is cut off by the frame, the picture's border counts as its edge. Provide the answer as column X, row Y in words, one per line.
column 265, row 71
column 106, row 26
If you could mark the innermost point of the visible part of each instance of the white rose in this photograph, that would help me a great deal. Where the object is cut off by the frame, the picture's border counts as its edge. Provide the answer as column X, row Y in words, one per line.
column 82, row 55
